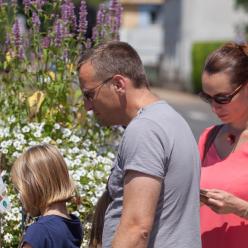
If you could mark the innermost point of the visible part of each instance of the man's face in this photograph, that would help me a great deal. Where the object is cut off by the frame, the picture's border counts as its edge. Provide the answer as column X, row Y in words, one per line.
column 99, row 95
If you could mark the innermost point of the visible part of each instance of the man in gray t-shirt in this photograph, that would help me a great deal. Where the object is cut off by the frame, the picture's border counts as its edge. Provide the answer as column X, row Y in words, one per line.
column 154, row 183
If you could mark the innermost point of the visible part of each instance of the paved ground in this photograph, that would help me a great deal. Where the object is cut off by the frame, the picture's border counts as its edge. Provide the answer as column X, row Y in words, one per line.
column 196, row 112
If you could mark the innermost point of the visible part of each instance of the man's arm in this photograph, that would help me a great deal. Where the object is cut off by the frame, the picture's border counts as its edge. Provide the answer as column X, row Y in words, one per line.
column 141, row 194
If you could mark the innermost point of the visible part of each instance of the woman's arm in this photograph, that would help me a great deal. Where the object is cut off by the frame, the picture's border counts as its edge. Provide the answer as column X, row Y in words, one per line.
column 223, row 202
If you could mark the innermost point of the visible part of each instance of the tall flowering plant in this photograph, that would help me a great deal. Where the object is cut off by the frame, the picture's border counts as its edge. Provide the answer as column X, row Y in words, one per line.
column 40, row 99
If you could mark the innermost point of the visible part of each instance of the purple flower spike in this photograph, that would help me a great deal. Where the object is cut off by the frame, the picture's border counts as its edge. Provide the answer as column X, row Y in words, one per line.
column 38, row 4
column 16, row 33
column 100, row 15
column 21, row 53
column 27, row 4
column 58, row 33
column 65, row 55
column 7, row 41
column 17, row 39
column 113, row 4
column 94, row 33
column 119, row 11
column 68, row 13
column 114, row 21
column 65, row 11
column 36, row 21
column 88, row 43
column 46, row 41
column 83, row 23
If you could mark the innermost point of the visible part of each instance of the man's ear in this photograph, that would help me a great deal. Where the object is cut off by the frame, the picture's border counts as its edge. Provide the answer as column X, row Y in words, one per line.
column 119, row 84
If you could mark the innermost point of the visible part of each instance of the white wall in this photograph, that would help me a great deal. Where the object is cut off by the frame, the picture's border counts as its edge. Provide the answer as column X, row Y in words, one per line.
column 148, row 41
column 202, row 20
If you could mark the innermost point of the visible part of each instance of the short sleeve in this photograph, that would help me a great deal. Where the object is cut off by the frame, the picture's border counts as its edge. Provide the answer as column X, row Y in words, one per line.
column 145, row 148
column 36, row 236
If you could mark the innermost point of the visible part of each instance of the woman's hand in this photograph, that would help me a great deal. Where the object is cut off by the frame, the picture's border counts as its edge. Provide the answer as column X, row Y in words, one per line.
column 223, row 202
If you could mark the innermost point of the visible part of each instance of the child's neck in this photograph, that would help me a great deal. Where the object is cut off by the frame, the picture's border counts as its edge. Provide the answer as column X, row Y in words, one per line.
column 57, row 209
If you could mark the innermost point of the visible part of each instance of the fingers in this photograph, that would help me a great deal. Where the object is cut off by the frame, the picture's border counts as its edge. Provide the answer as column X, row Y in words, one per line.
column 219, row 201
column 217, row 194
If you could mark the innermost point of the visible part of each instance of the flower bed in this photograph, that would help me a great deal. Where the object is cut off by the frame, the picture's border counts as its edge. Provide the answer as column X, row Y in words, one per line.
column 40, row 98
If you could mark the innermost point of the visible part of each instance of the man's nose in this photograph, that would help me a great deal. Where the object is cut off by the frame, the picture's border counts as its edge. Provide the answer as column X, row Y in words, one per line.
column 88, row 105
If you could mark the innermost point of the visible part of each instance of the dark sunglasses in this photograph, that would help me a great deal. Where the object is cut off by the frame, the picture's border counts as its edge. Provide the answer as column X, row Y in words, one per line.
column 220, row 98
column 90, row 93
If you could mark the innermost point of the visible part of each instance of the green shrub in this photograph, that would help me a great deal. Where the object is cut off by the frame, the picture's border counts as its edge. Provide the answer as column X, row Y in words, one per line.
column 200, row 51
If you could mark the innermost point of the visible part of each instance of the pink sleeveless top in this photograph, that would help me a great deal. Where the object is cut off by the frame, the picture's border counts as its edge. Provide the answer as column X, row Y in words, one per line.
column 231, row 175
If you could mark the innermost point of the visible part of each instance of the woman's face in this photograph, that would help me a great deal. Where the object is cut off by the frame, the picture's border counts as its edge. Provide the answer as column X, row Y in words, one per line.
column 219, row 83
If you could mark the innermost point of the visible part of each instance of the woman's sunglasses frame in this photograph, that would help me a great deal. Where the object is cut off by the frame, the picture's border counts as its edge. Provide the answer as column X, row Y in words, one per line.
column 220, row 98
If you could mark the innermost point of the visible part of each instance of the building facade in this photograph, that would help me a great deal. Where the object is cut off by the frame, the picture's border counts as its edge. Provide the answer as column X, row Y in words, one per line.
column 163, row 32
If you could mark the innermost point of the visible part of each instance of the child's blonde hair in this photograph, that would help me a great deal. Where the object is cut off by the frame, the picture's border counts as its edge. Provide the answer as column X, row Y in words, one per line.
column 40, row 175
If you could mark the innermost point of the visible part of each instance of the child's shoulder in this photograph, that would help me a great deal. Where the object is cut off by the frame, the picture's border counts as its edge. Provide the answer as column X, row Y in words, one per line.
column 52, row 229
column 31, row 236
column 37, row 226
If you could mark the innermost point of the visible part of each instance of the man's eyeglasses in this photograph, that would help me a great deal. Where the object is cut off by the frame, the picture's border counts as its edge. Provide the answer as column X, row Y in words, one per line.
column 220, row 98
column 89, row 94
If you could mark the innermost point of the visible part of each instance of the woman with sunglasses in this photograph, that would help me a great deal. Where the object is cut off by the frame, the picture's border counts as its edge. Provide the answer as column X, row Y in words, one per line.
column 224, row 149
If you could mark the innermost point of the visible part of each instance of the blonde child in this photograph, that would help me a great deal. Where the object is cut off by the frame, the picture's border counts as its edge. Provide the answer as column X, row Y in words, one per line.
column 41, row 177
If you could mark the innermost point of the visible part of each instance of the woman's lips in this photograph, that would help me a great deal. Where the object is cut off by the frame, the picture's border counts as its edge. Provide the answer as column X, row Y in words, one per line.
column 222, row 116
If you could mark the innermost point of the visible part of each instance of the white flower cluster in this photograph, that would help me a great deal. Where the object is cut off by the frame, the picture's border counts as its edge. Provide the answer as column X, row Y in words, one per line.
column 88, row 163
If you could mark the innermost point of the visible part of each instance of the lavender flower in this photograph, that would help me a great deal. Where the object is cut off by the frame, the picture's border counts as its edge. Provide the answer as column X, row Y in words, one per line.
column 94, row 33
column 39, row 4
column 83, row 23
column 68, row 13
column 58, row 33
column 1, row 2
column 17, row 39
column 7, row 40
column 21, row 53
column 88, row 43
column 100, row 14
column 114, row 20
column 43, row 2
column 99, row 30
column 112, row 5
column 27, row 4
column 65, row 55
column 16, row 33
column 46, row 42
column 36, row 21
column 118, row 13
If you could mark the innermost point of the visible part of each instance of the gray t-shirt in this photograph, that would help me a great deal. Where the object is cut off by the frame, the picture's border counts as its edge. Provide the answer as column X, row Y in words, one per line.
column 159, row 142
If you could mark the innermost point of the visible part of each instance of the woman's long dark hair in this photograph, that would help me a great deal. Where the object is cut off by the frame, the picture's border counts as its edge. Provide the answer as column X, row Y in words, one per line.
column 98, row 220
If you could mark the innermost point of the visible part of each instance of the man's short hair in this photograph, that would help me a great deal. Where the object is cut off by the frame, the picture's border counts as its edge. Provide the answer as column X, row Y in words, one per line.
column 115, row 57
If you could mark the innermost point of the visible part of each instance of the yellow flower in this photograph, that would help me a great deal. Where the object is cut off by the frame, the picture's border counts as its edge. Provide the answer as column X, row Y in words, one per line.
column 8, row 57
column 21, row 97
column 51, row 74
column 34, row 103
column 70, row 67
